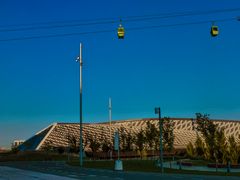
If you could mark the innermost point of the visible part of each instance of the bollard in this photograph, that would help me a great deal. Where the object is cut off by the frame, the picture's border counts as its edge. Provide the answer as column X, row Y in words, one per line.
column 180, row 165
column 228, row 166
column 216, row 165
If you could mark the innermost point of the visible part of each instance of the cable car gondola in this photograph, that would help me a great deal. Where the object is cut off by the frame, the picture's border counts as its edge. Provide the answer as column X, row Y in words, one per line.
column 120, row 32
column 214, row 31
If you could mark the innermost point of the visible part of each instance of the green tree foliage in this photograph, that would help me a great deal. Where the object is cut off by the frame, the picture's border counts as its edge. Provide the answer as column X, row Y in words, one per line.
column 208, row 130
column 123, row 138
column 197, row 150
column 127, row 140
column 215, row 145
column 152, row 134
column 168, row 136
column 94, row 144
column 207, row 153
column 221, row 147
column 190, row 150
column 130, row 140
column 234, row 151
column 104, row 142
column 106, row 145
column 48, row 146
column 199, row 147
column 140, row 140
column 73, row 143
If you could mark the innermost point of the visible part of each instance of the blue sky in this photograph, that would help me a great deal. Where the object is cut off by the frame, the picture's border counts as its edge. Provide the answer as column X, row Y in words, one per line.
column 182, row 69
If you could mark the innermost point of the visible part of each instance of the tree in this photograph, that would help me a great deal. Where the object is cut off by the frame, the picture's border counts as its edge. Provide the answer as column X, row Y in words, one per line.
column 106, row 146
column 234, row 150
column 123, row 138
column 73, row 143
column 190, row 150
column 152, row 134
column 140, row 140
column 207, row 153
column 130, row 140
column 157, row 142
column 93, row 143
column 105, row 143
column 208, row 130
column 47, row 146
column 199, row 147
column 168, row 135
column 221, row 147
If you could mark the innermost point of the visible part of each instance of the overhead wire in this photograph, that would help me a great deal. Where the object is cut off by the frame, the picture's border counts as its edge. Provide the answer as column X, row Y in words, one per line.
column 57, row 26
column 113, row 30
column 185, row 13
column 191, row 13
column 99, row 21
column 180, row 24
column 57, row 22
column 56, row 35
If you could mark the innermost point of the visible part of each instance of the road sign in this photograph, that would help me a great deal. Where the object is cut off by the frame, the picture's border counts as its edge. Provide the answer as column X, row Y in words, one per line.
column 116, row 141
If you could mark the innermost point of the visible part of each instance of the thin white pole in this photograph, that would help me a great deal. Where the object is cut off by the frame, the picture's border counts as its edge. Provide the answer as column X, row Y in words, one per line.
column 81, row 138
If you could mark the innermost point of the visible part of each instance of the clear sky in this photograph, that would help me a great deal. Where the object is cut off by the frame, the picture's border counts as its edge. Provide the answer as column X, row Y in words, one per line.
column 182, row 69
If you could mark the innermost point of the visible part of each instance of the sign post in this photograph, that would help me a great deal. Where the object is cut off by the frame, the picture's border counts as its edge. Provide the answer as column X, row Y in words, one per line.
column 118, row 162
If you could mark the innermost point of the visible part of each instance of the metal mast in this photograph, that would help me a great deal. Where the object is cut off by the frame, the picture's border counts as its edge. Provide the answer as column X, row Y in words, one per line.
column 79, row 59
column 110, row 123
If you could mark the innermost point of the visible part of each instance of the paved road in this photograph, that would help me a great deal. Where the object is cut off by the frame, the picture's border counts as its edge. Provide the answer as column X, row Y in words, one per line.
column 63, row 170
column 9, row 173
column 174, row 165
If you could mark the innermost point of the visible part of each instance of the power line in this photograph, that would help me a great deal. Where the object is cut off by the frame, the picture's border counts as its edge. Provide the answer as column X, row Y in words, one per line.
column 57, row 26
column 108, row 31
column 188, row 13
column 112, row 21
column 56, row 35
column 185, row 13
column 180, row 24
column 58, row 22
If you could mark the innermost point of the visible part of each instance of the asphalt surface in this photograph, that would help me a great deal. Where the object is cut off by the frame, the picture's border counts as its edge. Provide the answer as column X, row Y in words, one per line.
column 9, row 173
column 61, row 171
column 174, row 165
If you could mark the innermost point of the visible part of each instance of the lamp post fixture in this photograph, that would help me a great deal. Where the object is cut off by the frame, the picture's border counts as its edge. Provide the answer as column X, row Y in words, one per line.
column 158, row 111
column 79, row 59
column 110, row 125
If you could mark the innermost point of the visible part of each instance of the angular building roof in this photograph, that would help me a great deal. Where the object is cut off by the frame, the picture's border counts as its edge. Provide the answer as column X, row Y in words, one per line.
column 57, row 134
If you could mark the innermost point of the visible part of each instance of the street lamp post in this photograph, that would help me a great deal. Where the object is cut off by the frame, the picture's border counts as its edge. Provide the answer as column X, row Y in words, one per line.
column 110, row 123
column 79, row 59
column 158, row 111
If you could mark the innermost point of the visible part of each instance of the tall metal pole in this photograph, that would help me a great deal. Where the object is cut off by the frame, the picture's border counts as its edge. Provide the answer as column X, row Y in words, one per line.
column 158, row 111
column 110, row 123
column 161, row 138
column 81, row 138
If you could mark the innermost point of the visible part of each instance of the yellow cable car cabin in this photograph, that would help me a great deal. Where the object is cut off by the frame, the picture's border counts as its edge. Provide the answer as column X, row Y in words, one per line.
column 120, row 32
column 214, row 31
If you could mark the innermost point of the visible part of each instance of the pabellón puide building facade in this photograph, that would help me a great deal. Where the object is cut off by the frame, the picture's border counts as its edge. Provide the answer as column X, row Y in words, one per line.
column 57, row 134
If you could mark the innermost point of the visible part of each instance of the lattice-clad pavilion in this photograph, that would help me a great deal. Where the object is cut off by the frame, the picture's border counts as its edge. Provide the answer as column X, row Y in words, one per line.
column 56, row 134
